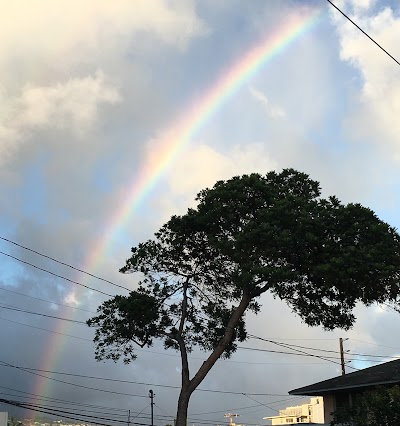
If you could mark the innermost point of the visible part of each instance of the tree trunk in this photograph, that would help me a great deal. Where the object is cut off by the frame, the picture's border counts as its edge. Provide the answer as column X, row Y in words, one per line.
column 188, row 386
column 183, row 404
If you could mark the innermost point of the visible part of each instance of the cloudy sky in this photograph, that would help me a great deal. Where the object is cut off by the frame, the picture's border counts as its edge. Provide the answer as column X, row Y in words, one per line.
column 92, row 99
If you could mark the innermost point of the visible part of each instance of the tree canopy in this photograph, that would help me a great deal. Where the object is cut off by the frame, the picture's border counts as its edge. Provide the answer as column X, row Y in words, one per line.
column 377, row 407
column 248, row 235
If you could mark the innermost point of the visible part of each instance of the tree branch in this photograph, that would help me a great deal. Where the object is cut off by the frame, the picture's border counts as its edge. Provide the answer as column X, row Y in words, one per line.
column 259, row 291
column 223, row 343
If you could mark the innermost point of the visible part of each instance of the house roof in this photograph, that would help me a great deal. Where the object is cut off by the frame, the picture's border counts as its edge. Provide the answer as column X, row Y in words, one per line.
column 382, row 374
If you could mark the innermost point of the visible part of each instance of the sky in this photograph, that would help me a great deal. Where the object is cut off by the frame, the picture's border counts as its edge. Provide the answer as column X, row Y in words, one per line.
column 113, row 115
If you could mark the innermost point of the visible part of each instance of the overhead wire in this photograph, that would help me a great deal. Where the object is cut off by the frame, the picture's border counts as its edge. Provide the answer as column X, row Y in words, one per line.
column 80, row 411
column 326, row 358
column 54, row 274
column 37, row 397
column 364, row 32
column 156, row 352
column 67, row 414
column 104, row 410
column 64, row 263
column 330, row 351
column 280, row 352
column 12, row 308
column 287, row 346
column 6, row 364
column 150, row 351
column 265, row 405
column 375, row 344
column 46, row 300
column 45, row 329
column 162, row 409
column 244, row 408
column 167, row 354
column 33, row 371
column 292, row 345
column 141, row 411
column 36, row 409
column 84, row 417
column 194, row 417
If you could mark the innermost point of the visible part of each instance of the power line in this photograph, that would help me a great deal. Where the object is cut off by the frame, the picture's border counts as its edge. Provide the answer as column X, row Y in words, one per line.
column 326, row 350
column 279, row 352
column 162, row 409
column 372, row 356
column 17, row 404
column 172, row 355
column 50, row 399
column 375, row 344
column 62, row 405
column 45, row 329
column 265, row 405
column 11, row 308
column 65, row 264
column 301, row 353
column 72, row 415
column 32, row 371
column 244, row 408
column 54, row 274
column 289, row 346
column 45, row 300
column 162, row 353
column 66, row 414
column 140, row 412
column 85, row 417
column 282, row 338
column 80, row 411
column 366, row 34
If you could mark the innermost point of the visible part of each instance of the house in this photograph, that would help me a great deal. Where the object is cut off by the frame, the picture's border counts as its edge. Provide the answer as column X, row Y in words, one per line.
column 341, row 390
column 312, row 413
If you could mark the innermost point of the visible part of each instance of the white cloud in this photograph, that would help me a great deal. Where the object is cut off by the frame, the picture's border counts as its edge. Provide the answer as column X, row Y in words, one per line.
column 71, row 105
column 375, row 117
column 54, row 26
column 272, row 111
column 200, row 166
column 71, row 299
column 361, row 5
column 51, row 51
column 74, row 102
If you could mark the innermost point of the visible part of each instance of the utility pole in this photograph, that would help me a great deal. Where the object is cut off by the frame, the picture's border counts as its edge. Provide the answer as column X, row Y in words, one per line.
column 341, row 355
column 230, row 418
column 152, row 395
column 129, row 417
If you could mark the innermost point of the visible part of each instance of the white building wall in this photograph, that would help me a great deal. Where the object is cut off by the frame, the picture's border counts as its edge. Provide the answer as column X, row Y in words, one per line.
column 311, row 413
column 3, row 418
column 329, row 407
column 317, row 410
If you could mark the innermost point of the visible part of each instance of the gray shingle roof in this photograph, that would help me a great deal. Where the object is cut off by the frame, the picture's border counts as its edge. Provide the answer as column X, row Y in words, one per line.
column 382, row 374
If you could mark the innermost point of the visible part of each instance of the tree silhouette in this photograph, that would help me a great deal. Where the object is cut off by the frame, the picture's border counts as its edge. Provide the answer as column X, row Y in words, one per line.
column 247, row 236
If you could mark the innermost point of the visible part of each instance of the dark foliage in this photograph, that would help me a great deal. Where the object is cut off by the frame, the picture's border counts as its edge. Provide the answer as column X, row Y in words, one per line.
column 378, row 407
column 249, row 235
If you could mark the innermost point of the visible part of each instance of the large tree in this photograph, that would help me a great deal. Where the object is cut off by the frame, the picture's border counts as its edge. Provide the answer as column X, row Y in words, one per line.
column 247, row 236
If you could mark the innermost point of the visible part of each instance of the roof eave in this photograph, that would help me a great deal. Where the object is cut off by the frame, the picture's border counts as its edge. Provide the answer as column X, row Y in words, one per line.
column 319, row 391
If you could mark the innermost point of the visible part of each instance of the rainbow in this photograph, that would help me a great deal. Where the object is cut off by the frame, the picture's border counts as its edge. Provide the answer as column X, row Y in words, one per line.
column 182, row 132
column 175, row 138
